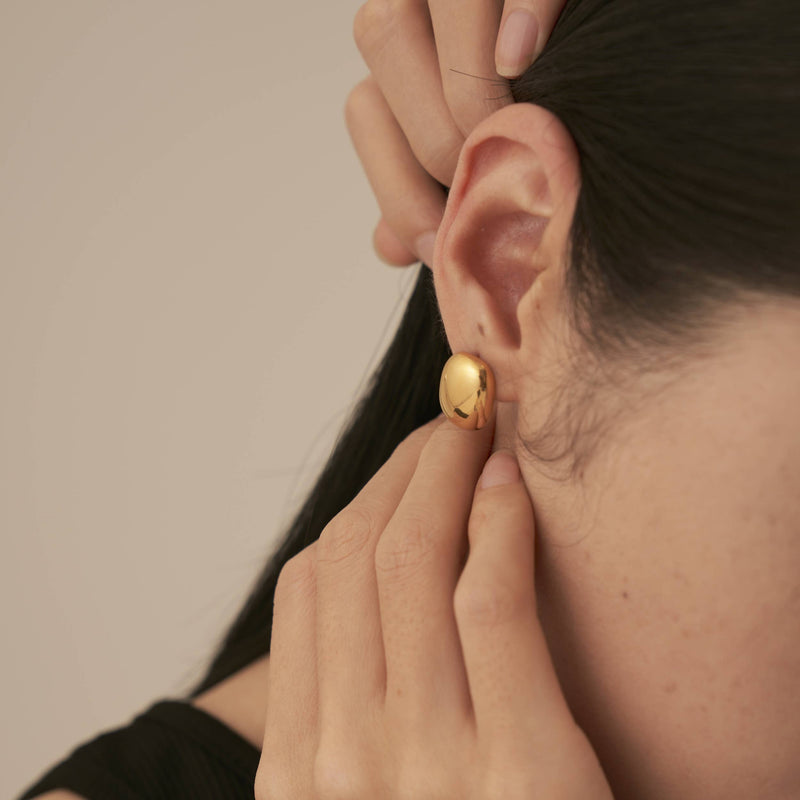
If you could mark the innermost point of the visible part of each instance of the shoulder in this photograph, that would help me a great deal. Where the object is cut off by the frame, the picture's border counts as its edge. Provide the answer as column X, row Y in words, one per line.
column 239, row 702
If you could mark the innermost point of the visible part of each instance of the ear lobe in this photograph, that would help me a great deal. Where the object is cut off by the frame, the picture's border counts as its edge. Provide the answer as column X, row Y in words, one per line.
column 505, row 224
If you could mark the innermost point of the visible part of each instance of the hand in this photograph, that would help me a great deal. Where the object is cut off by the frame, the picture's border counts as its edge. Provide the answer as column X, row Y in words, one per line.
column 437, row 70
column 393, row 674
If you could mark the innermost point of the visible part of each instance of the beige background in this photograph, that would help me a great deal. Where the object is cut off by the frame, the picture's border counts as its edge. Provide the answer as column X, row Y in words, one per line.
column 189, row 301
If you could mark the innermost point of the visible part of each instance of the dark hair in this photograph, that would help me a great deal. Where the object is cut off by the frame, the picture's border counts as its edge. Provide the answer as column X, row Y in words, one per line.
column 685, row 116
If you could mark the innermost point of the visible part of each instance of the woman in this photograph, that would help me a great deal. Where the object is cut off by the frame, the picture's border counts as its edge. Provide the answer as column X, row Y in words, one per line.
column 620, row 245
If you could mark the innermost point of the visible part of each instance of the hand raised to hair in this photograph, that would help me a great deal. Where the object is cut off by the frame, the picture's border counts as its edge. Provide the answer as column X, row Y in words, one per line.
column 395, row 673
column 437, row 69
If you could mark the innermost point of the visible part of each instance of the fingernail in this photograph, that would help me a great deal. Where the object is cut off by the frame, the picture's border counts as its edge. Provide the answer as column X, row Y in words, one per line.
column 517, row 43
column 424, row 245
column 500, row 469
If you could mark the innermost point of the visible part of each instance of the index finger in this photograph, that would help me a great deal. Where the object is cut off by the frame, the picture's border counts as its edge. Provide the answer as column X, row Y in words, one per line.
column 396, row 42
column 417, row 566
column 465, row 32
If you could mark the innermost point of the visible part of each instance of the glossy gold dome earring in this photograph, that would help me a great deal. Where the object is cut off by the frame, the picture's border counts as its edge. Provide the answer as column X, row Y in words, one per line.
column 466, row 391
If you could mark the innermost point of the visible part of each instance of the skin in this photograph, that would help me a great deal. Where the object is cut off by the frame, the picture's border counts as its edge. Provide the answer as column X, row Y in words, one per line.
column 664, row 578
column 436, row 70
column 666, row 572
column 396, row 673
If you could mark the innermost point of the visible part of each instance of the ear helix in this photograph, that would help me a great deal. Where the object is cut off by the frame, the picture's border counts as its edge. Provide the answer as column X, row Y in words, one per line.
column 467, row 391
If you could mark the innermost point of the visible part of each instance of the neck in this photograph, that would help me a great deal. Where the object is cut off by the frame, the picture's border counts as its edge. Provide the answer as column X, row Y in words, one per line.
column 659, row 565
column 724, row 432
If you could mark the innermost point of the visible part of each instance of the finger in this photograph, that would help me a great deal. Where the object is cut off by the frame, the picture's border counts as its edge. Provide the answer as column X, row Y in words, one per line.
column 465, row 33
column 396, row 42
column 291, row 725
column 417, row 562
column 524, row 30
column 349, row 640
column 515, row 692
column 411, row 201
column 389, row 248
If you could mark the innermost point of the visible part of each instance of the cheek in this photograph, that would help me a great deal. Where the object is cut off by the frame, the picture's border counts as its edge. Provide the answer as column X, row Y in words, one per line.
column 678, row 654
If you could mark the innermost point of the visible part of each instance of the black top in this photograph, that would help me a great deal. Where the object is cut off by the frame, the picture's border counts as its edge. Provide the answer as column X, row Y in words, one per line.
column 172, row 751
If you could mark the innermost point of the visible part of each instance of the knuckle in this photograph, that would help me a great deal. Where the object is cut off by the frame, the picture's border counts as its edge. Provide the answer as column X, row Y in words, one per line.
column 374, row 23
column 337, row 777
column 261, row 789
column 400, row 553
column 347, row 535
column 298, row 574
column 469, row 107
column 421, row 777
column 438, row 154
column 484, row 603
column 364, row 21
column 511, row 784
column 361, row 95
column 463, row 106
column 272, row 782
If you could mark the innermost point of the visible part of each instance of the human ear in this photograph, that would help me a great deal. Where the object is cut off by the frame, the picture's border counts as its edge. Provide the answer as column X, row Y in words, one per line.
column 500, row 252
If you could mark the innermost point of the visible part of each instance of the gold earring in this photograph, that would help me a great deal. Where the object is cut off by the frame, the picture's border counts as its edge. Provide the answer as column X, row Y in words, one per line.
column 466, row 391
